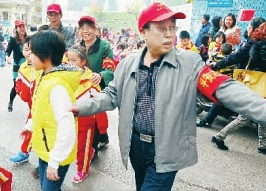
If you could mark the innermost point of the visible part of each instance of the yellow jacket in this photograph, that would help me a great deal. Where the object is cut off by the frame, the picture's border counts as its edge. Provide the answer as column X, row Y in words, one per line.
column 44, row 127
column 190, row 46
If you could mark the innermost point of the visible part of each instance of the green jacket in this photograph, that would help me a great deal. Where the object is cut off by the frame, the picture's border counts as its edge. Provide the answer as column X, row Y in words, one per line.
column 97, row 52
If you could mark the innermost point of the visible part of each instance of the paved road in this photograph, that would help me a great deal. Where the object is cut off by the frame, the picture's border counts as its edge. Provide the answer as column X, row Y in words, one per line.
column 241, row 168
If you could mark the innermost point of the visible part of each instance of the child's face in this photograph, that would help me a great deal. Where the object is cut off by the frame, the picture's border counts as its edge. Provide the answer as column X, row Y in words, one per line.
column 75, row 59
column 184, row 41
column 210, row 40
column 219, row 39
column 26, row 52
column 36, row 62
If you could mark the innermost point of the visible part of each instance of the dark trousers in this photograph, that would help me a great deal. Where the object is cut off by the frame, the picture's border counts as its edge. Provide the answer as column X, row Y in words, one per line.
column 13, row 92
column 142, row 156
column 213, row 113
column 49, row 185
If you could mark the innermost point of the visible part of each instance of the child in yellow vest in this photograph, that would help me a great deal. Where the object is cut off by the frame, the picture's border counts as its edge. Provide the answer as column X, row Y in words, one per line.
column 186, row 43
column 225, row 50
column 24, row 87
column 77, row 55
column 54, row 129
column 215, row 45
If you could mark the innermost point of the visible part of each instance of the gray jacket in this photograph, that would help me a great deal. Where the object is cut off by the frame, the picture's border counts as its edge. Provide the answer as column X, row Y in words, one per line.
column 175, row 106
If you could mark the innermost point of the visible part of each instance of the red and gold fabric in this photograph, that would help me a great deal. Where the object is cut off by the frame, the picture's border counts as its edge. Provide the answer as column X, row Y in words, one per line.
column 5, row 179
column 209, row 81
column 109, row 63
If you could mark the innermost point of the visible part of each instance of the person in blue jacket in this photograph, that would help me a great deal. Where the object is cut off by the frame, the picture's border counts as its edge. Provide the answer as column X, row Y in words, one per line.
column 206, row 25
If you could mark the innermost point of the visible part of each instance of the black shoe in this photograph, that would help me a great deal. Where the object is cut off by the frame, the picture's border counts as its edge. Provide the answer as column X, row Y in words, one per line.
column 103, row 141
column 102, row 145
column 10, row 106
column 220, row 143
column 35, row 173
column 95, row 156
column 201, row 123
column 262, row 150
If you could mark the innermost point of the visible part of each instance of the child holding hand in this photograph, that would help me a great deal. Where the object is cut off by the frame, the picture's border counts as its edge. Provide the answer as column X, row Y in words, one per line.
column 77, row 55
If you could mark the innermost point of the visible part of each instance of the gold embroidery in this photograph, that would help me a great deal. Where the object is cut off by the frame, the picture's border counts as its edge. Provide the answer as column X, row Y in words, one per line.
column 160, row 6
column 208, row 78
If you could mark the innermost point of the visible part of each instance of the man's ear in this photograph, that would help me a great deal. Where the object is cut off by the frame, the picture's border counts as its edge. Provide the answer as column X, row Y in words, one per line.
column 143, row 33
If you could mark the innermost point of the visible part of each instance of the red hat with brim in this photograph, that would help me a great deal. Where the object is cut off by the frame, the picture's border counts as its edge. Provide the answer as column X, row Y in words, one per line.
column 54, row 8
column 86, row 18
column 157, row 12
column 19, row 22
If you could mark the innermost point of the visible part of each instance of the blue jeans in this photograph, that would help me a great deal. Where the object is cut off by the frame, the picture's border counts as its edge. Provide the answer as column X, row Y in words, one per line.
column 49, row 185
column 213, row 112
column 142, row 156
column 2, row 58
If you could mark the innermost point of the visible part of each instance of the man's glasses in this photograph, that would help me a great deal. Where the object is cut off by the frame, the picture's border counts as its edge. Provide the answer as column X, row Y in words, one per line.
column 163, row 30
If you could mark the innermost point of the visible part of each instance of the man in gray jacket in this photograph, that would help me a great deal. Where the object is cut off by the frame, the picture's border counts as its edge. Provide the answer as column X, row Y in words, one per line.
column 54, row 15
column 155, row 91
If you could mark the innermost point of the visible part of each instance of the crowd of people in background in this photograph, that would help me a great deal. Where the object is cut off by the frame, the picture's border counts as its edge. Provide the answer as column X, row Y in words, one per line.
column 94, row 53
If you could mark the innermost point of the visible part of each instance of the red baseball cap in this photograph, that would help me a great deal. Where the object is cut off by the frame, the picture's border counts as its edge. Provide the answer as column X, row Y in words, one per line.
column 19, row 22
column 54, row 8
column 86, row 18
column 157, row 12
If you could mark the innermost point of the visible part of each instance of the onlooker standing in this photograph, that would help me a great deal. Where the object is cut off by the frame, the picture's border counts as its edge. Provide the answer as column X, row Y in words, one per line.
column 204, row 47
column 206, row 25
column 215, row 45
column 54, row 15
column 185, row 42
column 241, row 58
column 216, row 25
column 257, row 56
column 15, row 46
column 2, row 51
column 231, row 30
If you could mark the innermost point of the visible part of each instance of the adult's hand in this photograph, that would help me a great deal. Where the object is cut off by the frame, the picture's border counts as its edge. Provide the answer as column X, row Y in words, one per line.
column 75, row 110
column 8, row 60
column 96, row 78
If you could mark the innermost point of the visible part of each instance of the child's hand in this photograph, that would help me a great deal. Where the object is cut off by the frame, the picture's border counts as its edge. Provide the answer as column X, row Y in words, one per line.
column 24, row 133
column 52, row 174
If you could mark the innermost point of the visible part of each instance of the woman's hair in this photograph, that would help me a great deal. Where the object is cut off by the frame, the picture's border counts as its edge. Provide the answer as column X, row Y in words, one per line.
column 82, row 52
column 16, row 35
column 48, row 44
column 216, row 21
column 234, row 21
column 205, row 39
column 259, row 34
column 218, row 34
column 256, row 22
